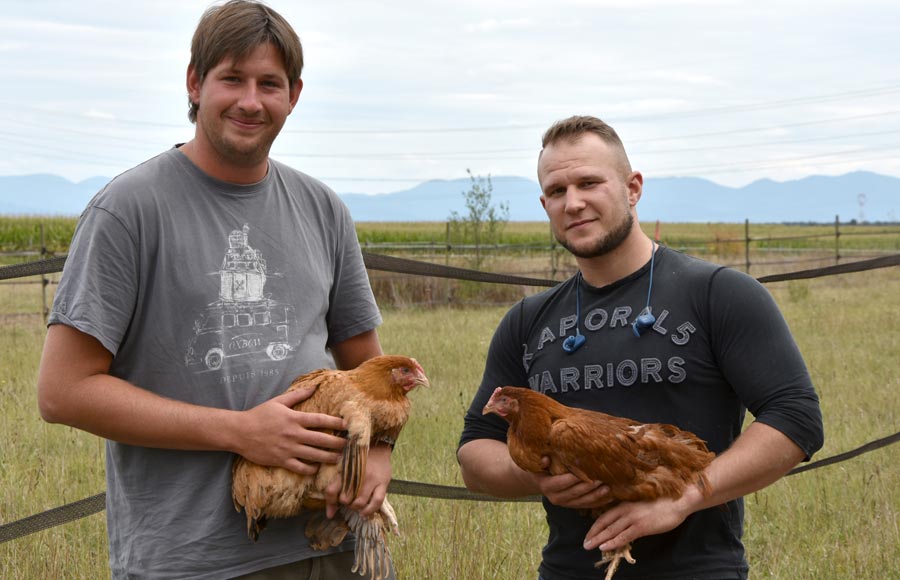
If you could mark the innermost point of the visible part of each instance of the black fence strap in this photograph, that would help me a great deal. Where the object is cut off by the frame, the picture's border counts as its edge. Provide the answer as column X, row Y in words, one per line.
column 372, row 261
column 53, row 517
column 405, row 266
column 858, row 266
column 871, row 446
column 435, row 491
column 97, row 503
column 33, row 268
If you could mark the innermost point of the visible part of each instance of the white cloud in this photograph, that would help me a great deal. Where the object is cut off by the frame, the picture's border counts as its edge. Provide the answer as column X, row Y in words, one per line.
column 493, row 25
column 662, row 70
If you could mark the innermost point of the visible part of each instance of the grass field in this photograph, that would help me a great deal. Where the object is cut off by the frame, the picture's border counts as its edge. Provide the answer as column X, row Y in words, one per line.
column 841, row 521
column 24, row 233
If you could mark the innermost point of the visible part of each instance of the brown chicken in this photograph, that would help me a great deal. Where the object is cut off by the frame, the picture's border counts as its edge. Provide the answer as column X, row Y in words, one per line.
column 372, row 400
column 637, row 461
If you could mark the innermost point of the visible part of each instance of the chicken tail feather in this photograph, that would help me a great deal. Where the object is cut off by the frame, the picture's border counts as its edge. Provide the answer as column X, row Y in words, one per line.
column 356, row 453
column 326, row 533
column 372, row 556
column 255, row 526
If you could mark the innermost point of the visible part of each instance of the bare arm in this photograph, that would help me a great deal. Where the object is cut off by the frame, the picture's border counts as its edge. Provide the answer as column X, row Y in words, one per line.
column 349, row 354
column 74, row 388
column 758, row 458
column 487, row 468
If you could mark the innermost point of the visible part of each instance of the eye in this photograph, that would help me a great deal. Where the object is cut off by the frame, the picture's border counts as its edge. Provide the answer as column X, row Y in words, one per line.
column 555, row 191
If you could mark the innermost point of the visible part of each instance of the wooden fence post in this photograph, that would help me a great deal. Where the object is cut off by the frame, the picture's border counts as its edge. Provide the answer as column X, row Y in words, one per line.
column 747, row 243
column 44, row 280
column 837, row 239
column 553, row 257
column 447, row 286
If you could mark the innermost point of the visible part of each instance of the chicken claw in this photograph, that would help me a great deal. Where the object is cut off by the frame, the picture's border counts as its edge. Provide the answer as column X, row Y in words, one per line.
column 614, row 558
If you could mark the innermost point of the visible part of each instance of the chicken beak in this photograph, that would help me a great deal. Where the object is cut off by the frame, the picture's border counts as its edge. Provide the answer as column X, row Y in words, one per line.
column 491, row 406
column 420, row 379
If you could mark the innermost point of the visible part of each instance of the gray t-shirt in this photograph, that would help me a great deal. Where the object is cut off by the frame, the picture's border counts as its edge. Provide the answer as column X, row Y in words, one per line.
column 218, row 295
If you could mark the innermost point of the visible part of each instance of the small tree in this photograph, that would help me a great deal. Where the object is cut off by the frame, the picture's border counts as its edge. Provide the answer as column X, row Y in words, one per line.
column 484, row 219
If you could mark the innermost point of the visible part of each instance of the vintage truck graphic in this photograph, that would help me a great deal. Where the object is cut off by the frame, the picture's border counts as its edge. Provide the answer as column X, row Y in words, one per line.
column 258, row 330
column 243, row 321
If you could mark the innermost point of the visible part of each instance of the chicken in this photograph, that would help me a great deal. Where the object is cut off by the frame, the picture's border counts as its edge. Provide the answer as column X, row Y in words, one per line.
column 638, row 462
column 372, row 400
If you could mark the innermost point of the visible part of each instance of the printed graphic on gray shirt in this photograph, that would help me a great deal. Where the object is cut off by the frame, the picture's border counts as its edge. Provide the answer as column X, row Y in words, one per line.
column 244, row 321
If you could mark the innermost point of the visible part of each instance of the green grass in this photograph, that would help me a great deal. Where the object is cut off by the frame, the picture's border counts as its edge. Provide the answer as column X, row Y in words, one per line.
column 23, row 233
column 841, row 521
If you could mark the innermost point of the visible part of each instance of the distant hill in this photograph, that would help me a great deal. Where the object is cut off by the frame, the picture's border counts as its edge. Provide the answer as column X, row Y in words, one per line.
column 669, row 199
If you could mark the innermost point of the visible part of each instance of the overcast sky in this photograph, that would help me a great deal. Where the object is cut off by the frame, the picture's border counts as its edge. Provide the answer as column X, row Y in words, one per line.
column 399, row 92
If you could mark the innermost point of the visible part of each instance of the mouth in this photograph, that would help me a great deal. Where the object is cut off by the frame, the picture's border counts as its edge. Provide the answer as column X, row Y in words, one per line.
column 577, row 224
column 246, row 124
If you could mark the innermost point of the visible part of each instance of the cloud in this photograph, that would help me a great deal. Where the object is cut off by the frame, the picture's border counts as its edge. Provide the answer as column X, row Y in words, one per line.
column 95, row 114
column 684, row 77
column 492, row 25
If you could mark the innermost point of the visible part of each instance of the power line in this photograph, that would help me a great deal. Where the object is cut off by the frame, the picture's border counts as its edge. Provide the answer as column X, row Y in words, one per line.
column 529, row 150
column 855, row 94
column 759, row 164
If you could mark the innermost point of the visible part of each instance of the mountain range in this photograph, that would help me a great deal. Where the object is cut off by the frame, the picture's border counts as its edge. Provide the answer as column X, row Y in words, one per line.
column 860, row 195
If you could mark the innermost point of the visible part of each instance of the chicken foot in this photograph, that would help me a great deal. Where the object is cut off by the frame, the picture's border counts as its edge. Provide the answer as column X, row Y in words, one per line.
column 614, row 558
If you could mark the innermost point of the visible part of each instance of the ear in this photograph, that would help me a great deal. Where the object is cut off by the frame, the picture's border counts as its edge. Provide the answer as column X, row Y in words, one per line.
column 193, row 84
column 295, row 93
column 635, row 185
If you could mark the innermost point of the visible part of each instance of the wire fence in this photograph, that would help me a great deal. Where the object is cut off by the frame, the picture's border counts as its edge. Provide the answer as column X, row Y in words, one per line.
column 94, row 504
column 546, row 260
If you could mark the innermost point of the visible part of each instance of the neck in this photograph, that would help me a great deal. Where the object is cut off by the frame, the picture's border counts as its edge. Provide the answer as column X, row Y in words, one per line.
column 629, row 257
column 215, row 167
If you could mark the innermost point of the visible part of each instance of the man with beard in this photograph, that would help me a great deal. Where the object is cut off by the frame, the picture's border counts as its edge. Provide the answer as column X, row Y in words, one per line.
column 197, row 286
column 644, row 332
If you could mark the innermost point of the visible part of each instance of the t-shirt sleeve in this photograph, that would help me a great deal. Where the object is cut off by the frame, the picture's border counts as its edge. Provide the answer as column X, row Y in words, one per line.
column 761, row 360
column 353, row 309
column 97, row 292
column 504, row 367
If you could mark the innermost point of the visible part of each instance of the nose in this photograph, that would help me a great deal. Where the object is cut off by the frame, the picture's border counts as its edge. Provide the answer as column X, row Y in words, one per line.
column 574, row 200
column 249, row 100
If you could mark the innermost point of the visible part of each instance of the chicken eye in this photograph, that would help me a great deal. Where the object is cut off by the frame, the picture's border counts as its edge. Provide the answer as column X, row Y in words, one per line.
column 406, row 370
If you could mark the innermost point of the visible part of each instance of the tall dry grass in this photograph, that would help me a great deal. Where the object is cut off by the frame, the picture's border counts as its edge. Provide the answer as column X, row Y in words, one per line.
column 834, row 523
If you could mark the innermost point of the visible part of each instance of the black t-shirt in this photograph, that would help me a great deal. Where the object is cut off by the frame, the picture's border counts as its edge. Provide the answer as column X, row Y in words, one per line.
column 719, row 347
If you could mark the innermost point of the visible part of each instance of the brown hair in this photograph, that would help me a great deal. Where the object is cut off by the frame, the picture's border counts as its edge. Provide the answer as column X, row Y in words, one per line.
column 573, row 128
column 234, row 30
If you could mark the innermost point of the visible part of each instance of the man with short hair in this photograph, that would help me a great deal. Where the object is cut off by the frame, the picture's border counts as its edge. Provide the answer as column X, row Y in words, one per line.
column 644, row 332
column 197, row 286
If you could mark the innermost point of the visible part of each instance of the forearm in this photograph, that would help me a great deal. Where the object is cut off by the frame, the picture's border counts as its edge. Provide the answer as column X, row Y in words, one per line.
column 487, row 468
column 117, row 410
column 758, row 458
